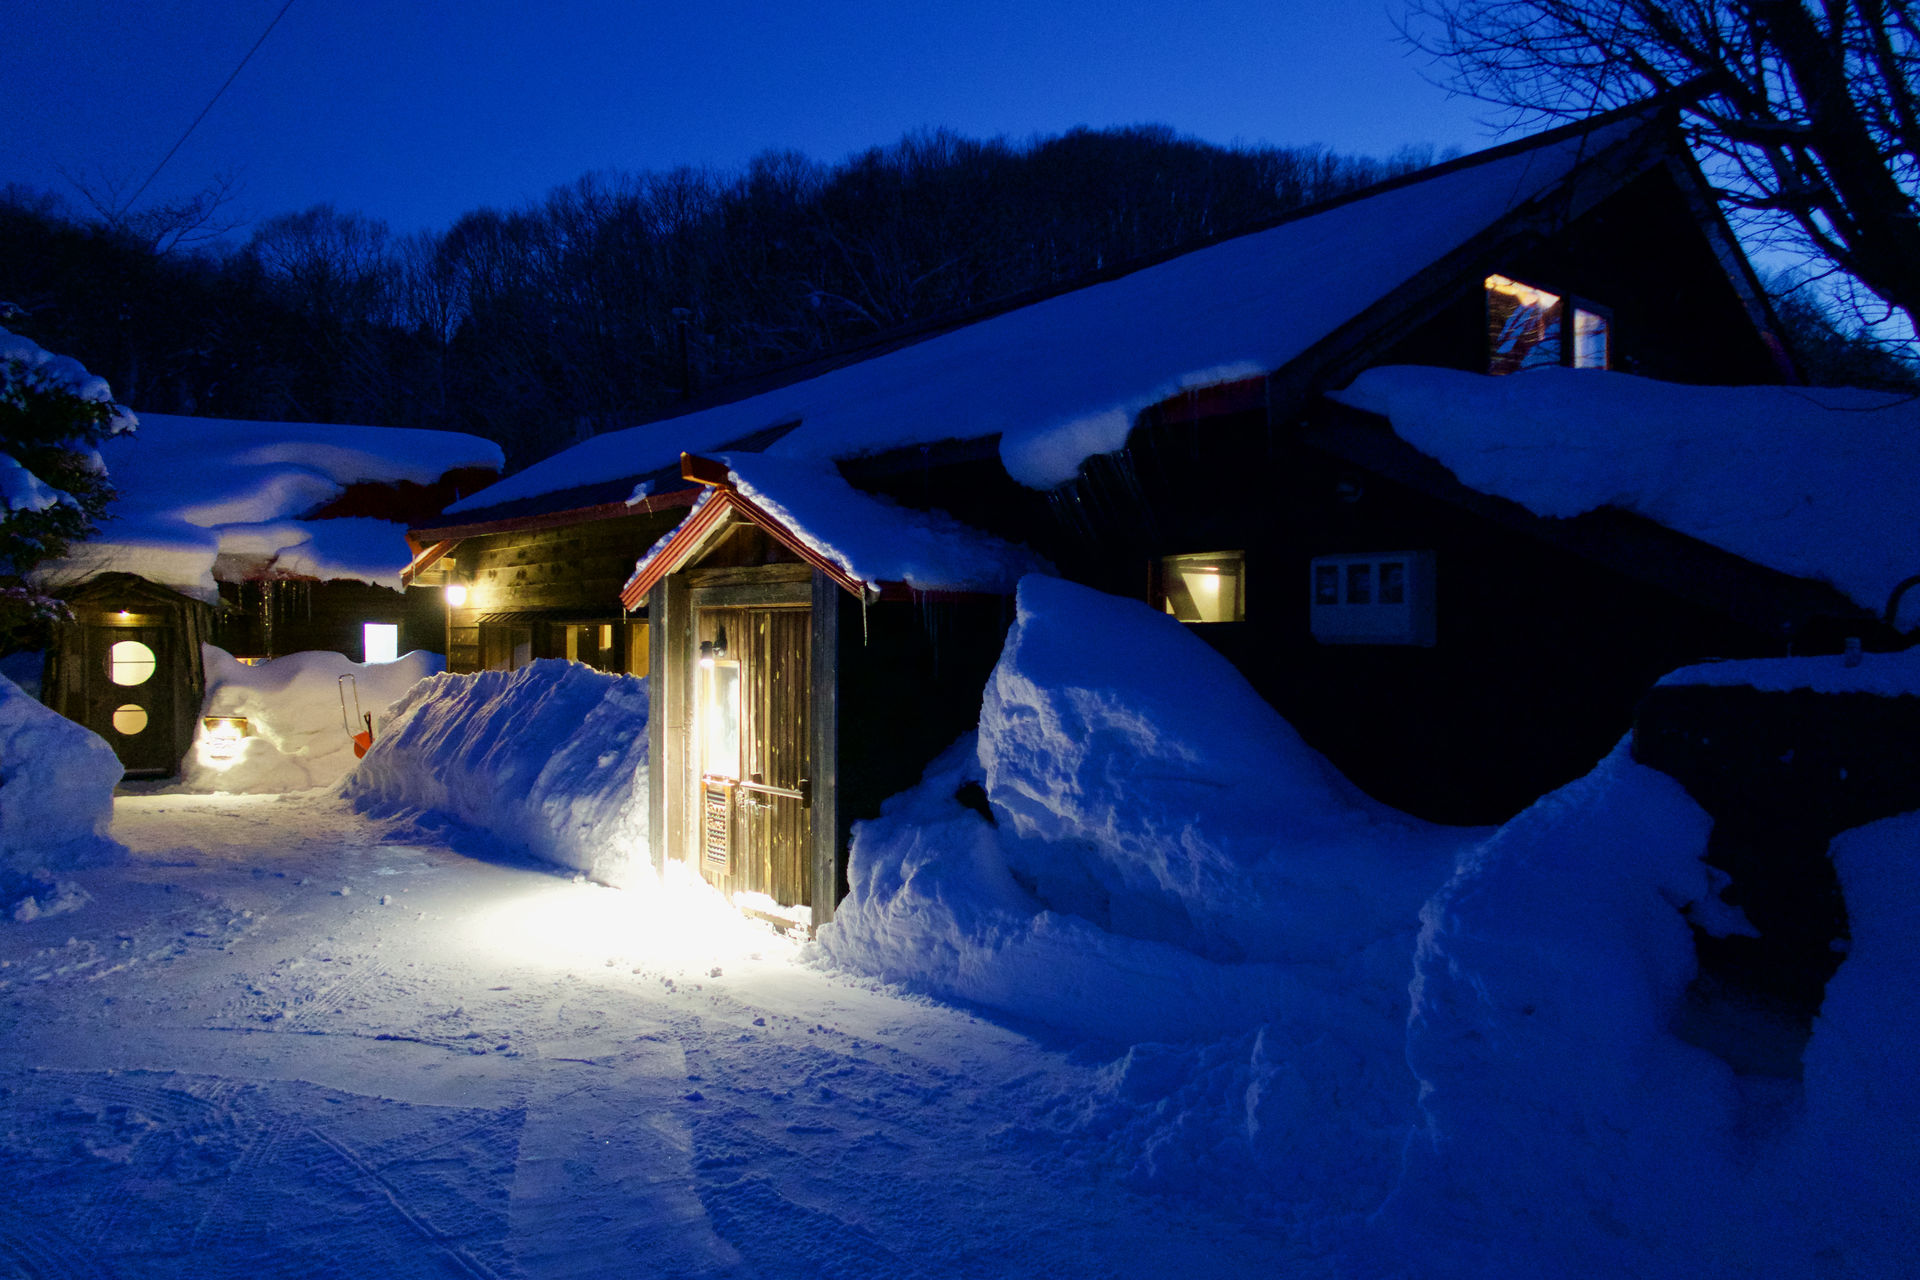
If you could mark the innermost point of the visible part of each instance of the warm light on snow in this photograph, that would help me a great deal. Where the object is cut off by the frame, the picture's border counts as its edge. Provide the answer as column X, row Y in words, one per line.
column 681, row 923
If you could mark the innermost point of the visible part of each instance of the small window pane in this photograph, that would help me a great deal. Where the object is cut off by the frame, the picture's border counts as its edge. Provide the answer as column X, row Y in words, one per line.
column 129, row 662
column 129, row 719
column 1393, row 583
column 1523, row 326
column 380, row 641
column 1326, row 584
column 1359, row 584
column 720, row 719
column 1204, row 587
column 1590, row 340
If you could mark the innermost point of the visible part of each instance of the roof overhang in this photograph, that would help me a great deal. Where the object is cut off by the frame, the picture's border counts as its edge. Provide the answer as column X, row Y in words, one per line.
column 431, row 544
column 722, row 502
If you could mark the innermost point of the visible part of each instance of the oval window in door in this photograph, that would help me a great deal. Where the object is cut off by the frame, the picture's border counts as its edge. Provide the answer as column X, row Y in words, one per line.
column 129, row 719
column 129, row 662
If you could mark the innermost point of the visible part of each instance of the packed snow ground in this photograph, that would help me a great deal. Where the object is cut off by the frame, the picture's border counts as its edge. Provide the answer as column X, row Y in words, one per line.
column 1171, row 996
column 284, row 1040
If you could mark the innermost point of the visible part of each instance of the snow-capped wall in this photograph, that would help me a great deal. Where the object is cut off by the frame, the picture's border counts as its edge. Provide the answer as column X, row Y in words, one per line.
column 297, row 734
column 550, row 760
column 1816, row 482
column 56, row 805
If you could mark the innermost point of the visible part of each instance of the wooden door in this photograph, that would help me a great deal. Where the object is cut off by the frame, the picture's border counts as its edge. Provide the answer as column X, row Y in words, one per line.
column 752, row 694
column 129, row 695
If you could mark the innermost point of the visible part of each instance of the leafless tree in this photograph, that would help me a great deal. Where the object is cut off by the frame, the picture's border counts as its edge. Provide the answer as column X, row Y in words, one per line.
column 1805, row 113
column 165, row 226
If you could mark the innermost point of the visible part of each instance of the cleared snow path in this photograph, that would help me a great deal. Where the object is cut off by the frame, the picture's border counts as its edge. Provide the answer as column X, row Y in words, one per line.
column 284, row 1040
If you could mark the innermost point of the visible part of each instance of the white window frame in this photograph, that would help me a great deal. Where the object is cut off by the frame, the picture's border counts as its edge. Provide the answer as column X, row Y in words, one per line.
column 1353, row 612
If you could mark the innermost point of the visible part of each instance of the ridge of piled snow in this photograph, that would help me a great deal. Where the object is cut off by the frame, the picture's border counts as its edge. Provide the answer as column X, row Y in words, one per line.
column 1065, row 378
column 1817, row 483
column 56, row 805
column 1885, row 675
column 298, row 735
column 193, row 489
column 873, row 539
column 549, row 760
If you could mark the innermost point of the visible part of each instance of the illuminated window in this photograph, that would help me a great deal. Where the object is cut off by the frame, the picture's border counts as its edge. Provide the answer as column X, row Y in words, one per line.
column 130, row 662
column 129, row 719
column 1528, row 328
column 381, row 641
column 719, row 718
column 1203, row 587
column 1376, row 598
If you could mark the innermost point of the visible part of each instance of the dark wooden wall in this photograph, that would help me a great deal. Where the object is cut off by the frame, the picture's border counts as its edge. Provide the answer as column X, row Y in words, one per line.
column 274, row 618
column 540, row 578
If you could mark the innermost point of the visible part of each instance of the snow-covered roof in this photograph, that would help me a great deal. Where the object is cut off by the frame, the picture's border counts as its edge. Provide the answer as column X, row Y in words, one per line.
column 1063, row 379
column 192, row 490
column 871, row 541
column 1820, row 484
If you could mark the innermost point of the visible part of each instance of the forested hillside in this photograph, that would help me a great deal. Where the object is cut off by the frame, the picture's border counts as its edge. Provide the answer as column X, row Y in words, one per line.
column 618, row 295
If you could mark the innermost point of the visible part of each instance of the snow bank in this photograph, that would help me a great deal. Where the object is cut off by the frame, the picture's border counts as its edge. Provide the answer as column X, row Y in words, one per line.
column 1066, row 378
column 1166, row 862
column 56, row 804
column 1821, row 484
column 297, row 736
column 192, row 489
column 1565, row 1128
column 550, row 759
column 1860, row 1141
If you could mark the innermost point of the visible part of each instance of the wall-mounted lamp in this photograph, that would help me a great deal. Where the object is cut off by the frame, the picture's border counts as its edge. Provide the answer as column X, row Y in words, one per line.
column 456, row 594
column 220, row 741
column 711, row 651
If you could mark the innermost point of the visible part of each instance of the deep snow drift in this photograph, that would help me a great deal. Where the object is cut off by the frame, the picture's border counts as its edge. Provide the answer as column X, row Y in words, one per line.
column 56, row 802
column 302, row 711
column 550, row 760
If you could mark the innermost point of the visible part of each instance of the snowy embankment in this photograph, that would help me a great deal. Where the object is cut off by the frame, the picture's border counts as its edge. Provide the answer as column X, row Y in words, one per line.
column 550, row 760
column 1166, row 861
column 302, row 712
column 1330, row 1007
column 56, row 803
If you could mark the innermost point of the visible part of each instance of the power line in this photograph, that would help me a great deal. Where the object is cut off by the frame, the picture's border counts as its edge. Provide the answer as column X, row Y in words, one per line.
column 135, row 198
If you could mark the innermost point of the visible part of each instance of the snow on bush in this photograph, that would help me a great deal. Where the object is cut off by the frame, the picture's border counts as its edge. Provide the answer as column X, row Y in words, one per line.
column 297, row 733
column 1166, row 862
column 56, row 804
column 550, row 760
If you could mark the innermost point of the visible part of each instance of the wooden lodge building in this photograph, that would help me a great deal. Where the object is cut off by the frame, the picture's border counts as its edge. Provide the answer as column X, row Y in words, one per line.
column 1162, row 433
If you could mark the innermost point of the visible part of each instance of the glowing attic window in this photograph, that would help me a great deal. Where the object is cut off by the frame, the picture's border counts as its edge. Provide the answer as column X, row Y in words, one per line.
column 1204, row 587
column 1528, row 327
column 381, row 640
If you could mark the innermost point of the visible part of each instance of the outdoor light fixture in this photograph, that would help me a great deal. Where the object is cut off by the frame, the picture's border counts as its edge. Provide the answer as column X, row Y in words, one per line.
column 711, row 651
column 220, row 739
column 456, row 594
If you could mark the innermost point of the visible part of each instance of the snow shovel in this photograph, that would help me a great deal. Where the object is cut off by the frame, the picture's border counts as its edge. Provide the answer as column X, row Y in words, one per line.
column 364, row 738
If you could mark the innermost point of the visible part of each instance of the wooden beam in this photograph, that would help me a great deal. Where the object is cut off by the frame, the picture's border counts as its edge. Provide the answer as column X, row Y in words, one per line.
column 707, row 471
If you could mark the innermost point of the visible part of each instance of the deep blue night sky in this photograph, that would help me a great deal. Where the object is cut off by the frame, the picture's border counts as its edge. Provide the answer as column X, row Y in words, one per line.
column 415, row 111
